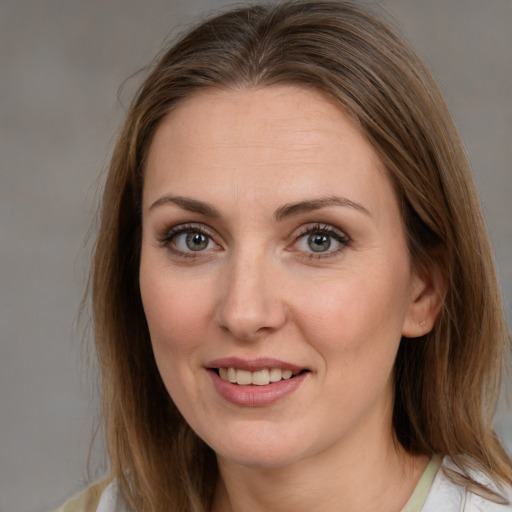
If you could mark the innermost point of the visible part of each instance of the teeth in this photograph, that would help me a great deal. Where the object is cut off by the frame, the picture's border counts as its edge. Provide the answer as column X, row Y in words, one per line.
column 275, row 374
column 243, row 377
column 287, row 374
column 260, row 378
column 232, row 375
column 257, row 378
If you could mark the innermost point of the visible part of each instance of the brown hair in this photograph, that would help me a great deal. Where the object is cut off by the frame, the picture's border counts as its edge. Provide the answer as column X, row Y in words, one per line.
column 447, row 382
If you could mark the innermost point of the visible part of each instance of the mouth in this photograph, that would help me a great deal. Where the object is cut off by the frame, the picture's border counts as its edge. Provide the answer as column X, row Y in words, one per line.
column 256, row 382
column 261, row 377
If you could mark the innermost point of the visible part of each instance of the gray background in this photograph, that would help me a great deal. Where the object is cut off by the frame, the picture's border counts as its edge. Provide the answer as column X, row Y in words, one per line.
column 61, row 64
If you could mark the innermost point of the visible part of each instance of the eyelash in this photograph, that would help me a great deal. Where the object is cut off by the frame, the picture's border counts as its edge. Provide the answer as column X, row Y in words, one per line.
column 170, row 235
column 327, row 230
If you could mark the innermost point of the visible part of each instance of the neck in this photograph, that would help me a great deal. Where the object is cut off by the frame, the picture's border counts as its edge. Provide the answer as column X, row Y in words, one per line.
column 375, row 477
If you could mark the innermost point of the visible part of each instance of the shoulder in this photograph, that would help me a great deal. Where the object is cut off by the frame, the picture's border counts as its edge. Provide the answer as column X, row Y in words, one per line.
column 101, row 496
column 450, row 495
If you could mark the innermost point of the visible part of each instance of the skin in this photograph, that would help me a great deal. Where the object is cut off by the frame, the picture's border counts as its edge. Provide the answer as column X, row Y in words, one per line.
column 257, row 289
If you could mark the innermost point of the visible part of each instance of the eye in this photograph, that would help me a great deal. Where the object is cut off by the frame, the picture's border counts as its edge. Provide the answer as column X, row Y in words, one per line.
column 185, row 240
column 193, row 241
column 320, row 240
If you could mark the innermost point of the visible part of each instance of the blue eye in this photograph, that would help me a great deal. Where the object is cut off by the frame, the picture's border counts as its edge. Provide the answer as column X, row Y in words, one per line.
column 185, row 240
column 321, row 240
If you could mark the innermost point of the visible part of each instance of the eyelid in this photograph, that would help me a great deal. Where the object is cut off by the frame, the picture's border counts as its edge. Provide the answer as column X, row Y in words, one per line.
column 321, row 227
column 169, row 232
column 328, row 229
column 167, row 235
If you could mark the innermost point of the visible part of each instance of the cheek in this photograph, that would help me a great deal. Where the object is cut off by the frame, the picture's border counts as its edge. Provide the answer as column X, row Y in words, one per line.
column 176, row 313
column 363, row 311
column 176, row 309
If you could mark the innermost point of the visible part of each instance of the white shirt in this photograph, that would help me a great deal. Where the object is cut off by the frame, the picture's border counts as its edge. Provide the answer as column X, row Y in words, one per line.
column 444, row 496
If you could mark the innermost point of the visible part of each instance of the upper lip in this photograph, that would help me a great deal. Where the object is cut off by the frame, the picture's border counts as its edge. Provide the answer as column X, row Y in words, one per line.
column 253, row 365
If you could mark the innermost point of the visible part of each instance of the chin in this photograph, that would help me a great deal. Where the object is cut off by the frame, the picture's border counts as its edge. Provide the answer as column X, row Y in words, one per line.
column 258, row 459
column 261, row 448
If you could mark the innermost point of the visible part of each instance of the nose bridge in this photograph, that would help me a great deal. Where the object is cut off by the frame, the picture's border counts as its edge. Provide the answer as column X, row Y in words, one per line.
column 251, row 302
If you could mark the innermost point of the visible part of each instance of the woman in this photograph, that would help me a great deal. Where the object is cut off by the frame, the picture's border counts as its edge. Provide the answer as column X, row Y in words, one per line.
column 294, row 298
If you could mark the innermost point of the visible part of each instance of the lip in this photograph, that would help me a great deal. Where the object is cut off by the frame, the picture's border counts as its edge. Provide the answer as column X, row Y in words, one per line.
column 253, row 365
column 252, row 395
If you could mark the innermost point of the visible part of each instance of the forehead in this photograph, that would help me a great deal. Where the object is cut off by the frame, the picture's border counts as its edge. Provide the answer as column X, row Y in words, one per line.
column 281, row 110
column 262, row 141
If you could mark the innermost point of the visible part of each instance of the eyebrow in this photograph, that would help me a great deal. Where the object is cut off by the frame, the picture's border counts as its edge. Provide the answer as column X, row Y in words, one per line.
column 289, row 210
column 285, row 211
column 186, row 203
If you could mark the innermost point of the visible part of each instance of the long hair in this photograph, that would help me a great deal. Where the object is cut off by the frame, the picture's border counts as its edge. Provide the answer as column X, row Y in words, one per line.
column 446, row 382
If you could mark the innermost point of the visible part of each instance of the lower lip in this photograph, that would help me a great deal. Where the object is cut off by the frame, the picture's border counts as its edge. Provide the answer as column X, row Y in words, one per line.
column 256, row 396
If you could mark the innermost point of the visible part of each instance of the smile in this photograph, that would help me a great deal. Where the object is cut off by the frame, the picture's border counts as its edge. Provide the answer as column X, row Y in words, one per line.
column 256, row 384
column 261, row 377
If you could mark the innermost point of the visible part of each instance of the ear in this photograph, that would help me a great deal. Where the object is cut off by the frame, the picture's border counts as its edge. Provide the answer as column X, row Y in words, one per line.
column 428, row 290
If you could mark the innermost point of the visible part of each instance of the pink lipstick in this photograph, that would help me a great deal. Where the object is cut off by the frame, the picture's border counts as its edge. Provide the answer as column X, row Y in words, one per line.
column 257, row 382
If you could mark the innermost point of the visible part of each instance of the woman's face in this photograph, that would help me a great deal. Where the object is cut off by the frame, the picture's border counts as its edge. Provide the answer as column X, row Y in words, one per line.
column 274, row 275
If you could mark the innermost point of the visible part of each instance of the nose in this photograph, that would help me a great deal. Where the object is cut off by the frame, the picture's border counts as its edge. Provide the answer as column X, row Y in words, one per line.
column 251, row 299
